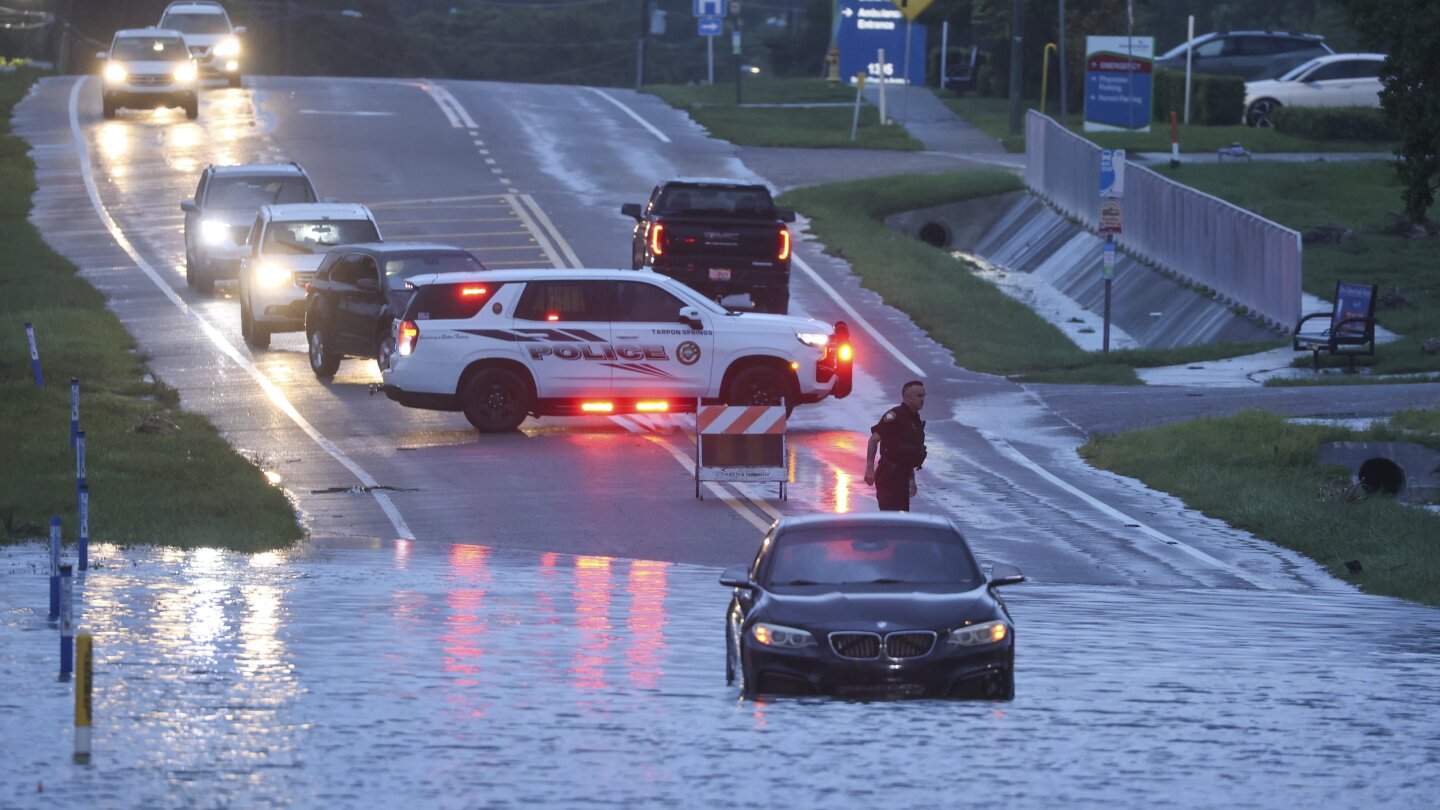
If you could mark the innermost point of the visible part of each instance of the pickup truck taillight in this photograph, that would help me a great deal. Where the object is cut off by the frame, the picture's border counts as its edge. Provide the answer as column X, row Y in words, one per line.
column 406, row 337
column 784, row 252
column 657, row 238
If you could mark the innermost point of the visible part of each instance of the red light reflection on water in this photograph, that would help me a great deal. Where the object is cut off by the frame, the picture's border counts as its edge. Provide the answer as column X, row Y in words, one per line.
column 592, row 616
column 840, row 453
column 646, row 646
column 465, row 625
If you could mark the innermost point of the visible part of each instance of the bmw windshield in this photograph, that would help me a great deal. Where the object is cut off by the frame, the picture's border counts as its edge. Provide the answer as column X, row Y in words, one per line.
column 880, row 555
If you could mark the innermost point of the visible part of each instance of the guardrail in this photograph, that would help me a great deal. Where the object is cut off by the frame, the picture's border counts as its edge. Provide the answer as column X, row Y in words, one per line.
column 1247, row 259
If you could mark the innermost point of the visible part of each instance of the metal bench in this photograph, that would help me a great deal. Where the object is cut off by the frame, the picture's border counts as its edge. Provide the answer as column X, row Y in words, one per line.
column 1349, row 325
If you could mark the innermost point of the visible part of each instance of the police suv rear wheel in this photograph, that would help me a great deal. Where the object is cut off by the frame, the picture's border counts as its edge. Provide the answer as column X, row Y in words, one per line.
column 495, row 400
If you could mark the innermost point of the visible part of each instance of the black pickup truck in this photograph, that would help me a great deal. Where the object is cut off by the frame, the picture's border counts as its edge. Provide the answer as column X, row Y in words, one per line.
column 719, row 237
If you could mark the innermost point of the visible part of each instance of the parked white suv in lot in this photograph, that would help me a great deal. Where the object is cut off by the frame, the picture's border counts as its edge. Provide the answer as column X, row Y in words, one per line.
column 504, row 344
column 286, row 245
column 212, row 40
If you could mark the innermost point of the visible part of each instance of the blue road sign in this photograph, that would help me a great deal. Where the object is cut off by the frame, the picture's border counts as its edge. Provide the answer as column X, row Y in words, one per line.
column 710, row 8
column 866, row 27
column 711, row 26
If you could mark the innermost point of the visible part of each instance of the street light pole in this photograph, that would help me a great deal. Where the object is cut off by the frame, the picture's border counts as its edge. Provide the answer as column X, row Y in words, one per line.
column 1017, row 19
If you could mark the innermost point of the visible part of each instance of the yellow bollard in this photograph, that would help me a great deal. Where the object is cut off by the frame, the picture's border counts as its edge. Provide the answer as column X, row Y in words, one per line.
column 1045, row 71
column 83, row 670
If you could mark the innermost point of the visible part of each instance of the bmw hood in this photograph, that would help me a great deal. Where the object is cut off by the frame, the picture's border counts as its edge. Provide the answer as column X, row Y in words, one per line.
column 879, row 611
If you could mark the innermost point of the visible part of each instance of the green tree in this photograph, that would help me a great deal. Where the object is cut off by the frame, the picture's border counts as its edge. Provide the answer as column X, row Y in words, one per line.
column 1409, row 31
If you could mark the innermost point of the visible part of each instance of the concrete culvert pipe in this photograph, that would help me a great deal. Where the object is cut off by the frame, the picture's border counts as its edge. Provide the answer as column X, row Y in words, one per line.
column 1382, row 475
column 935, row 234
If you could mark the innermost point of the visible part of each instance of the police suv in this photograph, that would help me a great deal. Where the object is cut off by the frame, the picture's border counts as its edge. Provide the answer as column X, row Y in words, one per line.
column 504, row 344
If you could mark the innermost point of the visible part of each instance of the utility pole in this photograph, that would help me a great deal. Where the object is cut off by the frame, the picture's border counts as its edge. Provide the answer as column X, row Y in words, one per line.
column 1064, row 98
column 640, row 43
column 1017, row 21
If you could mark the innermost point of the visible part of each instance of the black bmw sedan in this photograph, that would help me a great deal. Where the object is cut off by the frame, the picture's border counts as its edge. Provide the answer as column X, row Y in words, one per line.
column 881, row 604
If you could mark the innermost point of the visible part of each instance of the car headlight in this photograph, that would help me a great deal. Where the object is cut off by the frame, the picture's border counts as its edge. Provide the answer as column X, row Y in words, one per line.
column 228, row 47
column 185, row 73
column 269, row 276
column 775, row 635
column 214, row 232
column 115, row 73
column 814, row 340
column 977, row 635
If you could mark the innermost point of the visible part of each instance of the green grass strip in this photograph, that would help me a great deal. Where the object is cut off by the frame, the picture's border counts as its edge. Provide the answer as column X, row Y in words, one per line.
column 1260, row 473
column 157, row 474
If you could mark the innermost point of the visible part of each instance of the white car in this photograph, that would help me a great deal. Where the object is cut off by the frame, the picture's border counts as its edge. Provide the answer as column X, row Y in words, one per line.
column 1334, row 80
column 147, row 68
column 286, row 245
column 212, row 40
column 504, row 344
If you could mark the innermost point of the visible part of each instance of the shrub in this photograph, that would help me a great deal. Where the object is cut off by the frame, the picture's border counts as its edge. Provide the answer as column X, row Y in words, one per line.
column 1335, row 123
column 1214, row 100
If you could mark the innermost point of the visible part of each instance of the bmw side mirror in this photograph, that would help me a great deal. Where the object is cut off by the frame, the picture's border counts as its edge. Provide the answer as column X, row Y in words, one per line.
column 632, row 210
column 690, row 316
column 189, row 206
column 737, row 576
column 1005, row 574
column 784, row 215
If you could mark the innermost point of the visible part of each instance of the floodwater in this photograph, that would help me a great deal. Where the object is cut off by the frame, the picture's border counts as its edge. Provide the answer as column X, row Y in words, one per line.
column 467, row 676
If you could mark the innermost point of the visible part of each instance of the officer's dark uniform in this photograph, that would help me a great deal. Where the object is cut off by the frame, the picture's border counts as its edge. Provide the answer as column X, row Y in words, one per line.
column 902, row 451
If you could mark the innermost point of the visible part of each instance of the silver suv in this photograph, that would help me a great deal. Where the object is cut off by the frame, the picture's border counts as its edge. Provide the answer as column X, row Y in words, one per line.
column 212, row 40
column 147, row 68
column 218, row 218
column 1248, row 54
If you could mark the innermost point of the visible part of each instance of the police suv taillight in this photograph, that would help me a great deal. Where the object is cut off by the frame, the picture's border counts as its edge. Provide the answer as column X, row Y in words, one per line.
column 406, row 336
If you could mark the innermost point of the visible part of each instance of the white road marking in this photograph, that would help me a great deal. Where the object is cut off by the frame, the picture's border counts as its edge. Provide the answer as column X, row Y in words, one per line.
column 860, row 319
column 646, row 124
column 276, row 396
column 544, row 220
column 449, row 105
column 360, row 113
column 1020, row 458
column 530, row 224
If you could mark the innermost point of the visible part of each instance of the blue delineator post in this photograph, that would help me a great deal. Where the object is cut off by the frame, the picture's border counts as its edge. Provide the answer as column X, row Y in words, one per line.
column 84, row 527
column 34, row 355
column 74, row 409
column 79, row 462
column 67, row 623
column 54, row 568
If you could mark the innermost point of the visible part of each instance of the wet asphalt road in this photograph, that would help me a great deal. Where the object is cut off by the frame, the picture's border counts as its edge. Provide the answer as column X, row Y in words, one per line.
column 505, row 171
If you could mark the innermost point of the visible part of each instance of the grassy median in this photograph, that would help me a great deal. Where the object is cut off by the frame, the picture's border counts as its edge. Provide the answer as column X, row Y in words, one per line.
column 795, row 124
column 157, row 474
column 1260, row 473
column 986, row 329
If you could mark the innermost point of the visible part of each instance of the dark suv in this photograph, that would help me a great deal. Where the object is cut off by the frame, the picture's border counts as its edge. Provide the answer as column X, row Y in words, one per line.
column 359, row 289
column 1247, row 54
column 219, row 216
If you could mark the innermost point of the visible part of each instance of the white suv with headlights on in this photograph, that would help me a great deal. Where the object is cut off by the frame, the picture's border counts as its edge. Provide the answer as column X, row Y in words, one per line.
column 213, row 42
column 286, row 245
column 218, row 217
column 147, row 68
column 501, row 345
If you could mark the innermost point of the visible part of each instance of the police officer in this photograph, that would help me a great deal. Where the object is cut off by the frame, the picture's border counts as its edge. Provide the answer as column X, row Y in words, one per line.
column 900, row 437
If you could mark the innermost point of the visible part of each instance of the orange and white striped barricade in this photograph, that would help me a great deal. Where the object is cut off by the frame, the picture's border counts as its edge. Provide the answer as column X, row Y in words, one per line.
column 741, row 443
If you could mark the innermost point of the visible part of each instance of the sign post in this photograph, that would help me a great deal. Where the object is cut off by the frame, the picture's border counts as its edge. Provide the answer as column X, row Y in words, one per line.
column 911, row 9
column 710, row 23
column 1112, row 190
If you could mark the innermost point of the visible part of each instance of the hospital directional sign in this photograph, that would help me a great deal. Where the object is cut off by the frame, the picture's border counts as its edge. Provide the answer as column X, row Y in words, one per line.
column 867, row 27
column 711, row 26
column 1118, row 83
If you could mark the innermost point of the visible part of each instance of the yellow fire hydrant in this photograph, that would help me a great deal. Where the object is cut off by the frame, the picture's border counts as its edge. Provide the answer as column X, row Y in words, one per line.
column 832, row 65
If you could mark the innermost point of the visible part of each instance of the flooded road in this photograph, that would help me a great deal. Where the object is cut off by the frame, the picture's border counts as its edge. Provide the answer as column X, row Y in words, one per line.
column 467, row 676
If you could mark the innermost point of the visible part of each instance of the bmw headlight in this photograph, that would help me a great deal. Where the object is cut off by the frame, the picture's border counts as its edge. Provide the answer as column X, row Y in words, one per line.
column 185, row 73
column 775, row 635
column 269, row 276
column 228, row 47
column 115, row 73
column 814, row 340
column 214, row 232
column 977, row 635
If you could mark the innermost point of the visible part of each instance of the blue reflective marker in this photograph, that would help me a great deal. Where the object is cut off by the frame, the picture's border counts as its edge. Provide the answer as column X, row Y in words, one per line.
column 79, row 459
column 54, row 568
